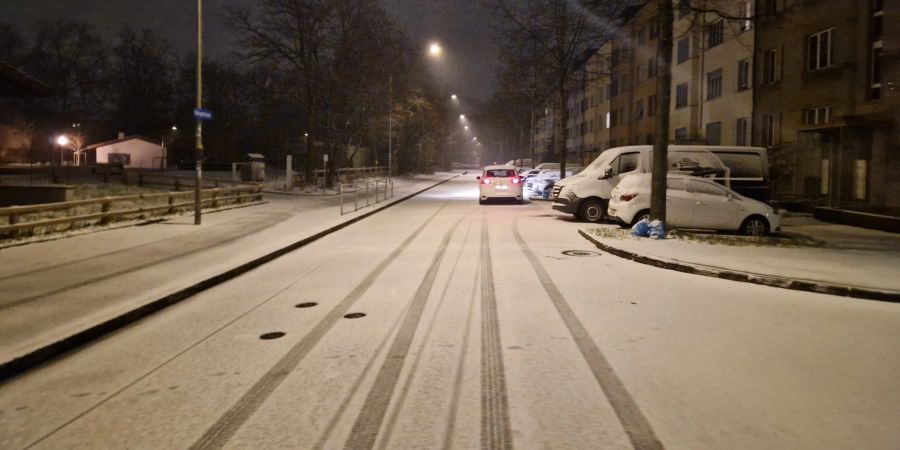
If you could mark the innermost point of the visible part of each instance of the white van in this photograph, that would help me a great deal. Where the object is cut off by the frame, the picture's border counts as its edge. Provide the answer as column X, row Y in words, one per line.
column 586, row 195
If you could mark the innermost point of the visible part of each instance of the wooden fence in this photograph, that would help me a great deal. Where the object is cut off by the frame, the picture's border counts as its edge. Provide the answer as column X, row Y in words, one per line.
column 16, row 214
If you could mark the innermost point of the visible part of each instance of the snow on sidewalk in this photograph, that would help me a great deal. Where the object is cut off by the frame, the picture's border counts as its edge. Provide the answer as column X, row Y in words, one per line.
column 847, row 255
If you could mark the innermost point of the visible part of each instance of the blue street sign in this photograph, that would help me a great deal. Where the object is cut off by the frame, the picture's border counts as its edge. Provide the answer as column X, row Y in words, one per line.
column 202, row 114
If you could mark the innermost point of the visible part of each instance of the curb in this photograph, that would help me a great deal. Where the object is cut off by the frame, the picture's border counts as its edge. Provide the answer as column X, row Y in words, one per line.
column 748, row 277
column 17, row 366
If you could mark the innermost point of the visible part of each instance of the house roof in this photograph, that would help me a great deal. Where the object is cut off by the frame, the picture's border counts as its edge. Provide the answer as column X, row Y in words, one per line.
column 116, row 141
column 15, row 83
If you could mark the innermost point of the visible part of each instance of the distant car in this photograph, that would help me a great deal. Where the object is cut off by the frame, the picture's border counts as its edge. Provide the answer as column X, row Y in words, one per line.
column 499, row 182
column 693, row 202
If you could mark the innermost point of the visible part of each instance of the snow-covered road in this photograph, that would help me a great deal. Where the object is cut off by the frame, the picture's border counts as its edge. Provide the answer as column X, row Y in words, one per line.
column 478, row 332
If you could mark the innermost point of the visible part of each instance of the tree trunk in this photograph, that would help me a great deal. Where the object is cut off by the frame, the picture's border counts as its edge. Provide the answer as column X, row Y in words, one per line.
column 664, row 94
column 559, row 145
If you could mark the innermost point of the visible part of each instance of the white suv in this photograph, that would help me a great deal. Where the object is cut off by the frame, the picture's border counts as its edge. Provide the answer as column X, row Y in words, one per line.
column 693, row 202
column 499, row 182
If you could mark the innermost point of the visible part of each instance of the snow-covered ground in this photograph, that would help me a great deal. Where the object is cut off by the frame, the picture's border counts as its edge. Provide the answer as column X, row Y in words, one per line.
column 479, row 331
column 849, row 256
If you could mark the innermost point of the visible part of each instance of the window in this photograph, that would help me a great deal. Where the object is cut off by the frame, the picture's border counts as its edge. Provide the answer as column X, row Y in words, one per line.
column 623, row 115
column 653, row 30
column 714, row 84
column 681, row 95
column 770, row 62
column 715, row 34
column 651, row 67
column 875, row 86
column 608, row 119
column 639, row 74
column 740, row 131
column 639, row 110
column 770, row 7
column 614, row 87
column 500, row 173
column 684, row 8
column 817, row 116
column 613, row 118
column 628, row 162
column 651, row 105
column 684, row 50
column 748, row 166
column 743, row 75
column 702, row 187
column 714, row 133
column 641, row 37
column 818, row 54
column 768, row 130
column 747, row 11
column 680, row 134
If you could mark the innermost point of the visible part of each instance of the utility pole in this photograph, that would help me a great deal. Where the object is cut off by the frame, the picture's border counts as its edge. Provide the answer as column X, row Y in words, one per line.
column 198, row 177
column 390, row 124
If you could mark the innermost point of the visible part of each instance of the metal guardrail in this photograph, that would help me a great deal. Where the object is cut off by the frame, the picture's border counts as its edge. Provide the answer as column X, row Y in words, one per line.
column 214, row 196
column 386, row 185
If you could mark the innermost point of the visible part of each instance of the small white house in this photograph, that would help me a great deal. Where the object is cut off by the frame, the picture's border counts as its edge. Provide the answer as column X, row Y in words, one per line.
column 129, row 151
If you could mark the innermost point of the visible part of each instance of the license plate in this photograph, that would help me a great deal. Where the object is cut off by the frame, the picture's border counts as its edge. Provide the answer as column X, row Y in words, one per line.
column 502, row 188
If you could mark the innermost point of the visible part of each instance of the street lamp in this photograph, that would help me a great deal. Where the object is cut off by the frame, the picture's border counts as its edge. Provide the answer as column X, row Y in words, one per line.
column 62, row 140
column 435, row 49
column 454, row 97
column 462, row 117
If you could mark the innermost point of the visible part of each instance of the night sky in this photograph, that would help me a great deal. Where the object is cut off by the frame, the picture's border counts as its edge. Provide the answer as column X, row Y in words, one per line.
column 462, row 26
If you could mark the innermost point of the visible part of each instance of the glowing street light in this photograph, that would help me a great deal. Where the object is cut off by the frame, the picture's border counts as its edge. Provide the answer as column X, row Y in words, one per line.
column 62, row 140
column 467, row 127
column 462, row 117
column 453, row 97
column 435, row 49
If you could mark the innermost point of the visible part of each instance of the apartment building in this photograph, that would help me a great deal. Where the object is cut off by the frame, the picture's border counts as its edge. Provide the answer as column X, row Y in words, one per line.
column 712, row 99
column 826, row 100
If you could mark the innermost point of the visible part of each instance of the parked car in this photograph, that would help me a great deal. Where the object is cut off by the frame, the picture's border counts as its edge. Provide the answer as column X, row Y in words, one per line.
column 536, row 185
column 499, row 182
column 693, row 202
column 586, row 195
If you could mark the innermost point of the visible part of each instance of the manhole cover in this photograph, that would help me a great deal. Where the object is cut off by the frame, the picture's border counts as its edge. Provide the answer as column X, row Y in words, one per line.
column 305, row 305
column 273, row 335
column 354, row 315
column 580, row 253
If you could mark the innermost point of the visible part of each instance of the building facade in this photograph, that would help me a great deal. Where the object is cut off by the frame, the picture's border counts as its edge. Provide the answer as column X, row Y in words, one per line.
column 826, row 100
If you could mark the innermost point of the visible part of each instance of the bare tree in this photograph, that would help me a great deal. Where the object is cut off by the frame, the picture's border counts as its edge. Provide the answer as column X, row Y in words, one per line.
column 560, row 34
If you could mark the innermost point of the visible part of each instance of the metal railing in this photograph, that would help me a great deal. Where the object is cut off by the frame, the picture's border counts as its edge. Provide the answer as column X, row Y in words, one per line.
column 366, row 187
column 106, row 213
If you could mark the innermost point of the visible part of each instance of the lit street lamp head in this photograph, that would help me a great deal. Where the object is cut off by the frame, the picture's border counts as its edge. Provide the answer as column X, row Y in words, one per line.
column 453, row 97
column 435, row 49
column 62, row 140
column 462, row 117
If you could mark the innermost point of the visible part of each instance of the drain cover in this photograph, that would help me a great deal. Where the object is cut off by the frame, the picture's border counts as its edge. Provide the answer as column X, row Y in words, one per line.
column 305, row 305
column 273, row 335
column 354, row 315
column 580, row 253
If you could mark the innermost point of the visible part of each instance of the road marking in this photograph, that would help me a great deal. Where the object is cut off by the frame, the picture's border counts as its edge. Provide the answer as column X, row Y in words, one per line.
column 636, row 426
column 495, row 426
column 228, row 424
column 368, row 423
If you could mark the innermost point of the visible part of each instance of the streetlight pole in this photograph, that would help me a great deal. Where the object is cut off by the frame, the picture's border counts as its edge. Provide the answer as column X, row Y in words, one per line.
column 390, row 123
column 198, row 177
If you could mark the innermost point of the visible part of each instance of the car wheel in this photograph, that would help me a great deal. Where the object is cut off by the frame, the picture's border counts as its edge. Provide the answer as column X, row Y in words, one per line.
column 645, row 214
column 755, row 226
column 593, row 210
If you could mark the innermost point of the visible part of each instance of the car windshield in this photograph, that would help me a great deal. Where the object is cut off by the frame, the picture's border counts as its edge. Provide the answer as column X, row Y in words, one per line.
column 500, row 173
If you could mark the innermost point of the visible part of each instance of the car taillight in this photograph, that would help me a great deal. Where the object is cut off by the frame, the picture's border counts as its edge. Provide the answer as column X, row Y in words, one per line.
column 486, row 180
column 515, row 180
column 627, row 197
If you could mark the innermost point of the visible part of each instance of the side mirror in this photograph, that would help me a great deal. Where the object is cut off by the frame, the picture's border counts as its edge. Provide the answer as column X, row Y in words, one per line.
column 478, row 177
column 607, row 173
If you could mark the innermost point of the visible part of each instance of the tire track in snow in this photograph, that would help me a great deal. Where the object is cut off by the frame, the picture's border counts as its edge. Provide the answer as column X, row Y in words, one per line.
column 461, row 366
column 228, row 424
column 368, row 423
column 495, row 427
column 636, row 426
column 404, row 390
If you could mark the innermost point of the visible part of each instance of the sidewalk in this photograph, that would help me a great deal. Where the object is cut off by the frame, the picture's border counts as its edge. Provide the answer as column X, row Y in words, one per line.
column 59, row 294
column 850, row 261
